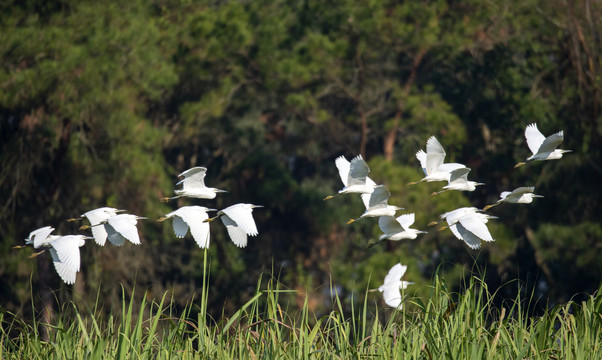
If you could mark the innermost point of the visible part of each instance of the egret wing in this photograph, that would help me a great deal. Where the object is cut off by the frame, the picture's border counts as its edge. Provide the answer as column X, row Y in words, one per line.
column 406, row 220
column 67, row 249
column 435, row 155
column 459, row 176
column 193, row 178
column 392, row 296
column 421, row 156
column 66, row 274
column 449, row 167
column 237, row 235
column 358, row 171
column 242, row 215
column 125, row 225
column 518, row 192
column 395, row 273
column 343, row 166
column 534, row 138
column 469, row 238
column 380, row 196
column 195, row 217
column 95, row 217
column 389, row 225
column 180, row 227
column 476, row 225
column 38, row 237
column 454, row 230
column 551, row 142
column 114, row 237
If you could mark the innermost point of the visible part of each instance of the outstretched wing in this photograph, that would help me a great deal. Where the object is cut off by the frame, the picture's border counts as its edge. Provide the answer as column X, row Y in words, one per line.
column 435, row 155
column 242, row 215
column 180, row 227
column 125, row 225
column 406, row 220
column 195, row 217
column 67, row 250
column 476, row 225
column 38, row 237
column 65, row 272
column 392, row 296
column 389, row 225
column 380, row 196
column 534, row 138
column 237, row 235
column 193, row 178
column 343, row 166
column 551, row 142
column 469, row 238
column 459, row 176
column 395, row 273
column 358, row 171
column 421, row 156
column 518, row 192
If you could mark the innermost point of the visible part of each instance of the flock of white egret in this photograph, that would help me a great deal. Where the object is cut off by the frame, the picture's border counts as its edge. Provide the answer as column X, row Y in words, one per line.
column 467, row 223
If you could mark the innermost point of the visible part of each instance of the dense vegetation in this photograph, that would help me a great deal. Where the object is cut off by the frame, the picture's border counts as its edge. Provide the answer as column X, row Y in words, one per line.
column 104, row 103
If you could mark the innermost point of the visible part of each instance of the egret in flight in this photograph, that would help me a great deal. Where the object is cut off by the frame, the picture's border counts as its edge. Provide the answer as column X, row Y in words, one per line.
column 121, row 227
column 238, row 220
column 354, row 176
column 432, row 163
column 393, row 284
column 95, row 217
column 192, row 217
column 193, row 185
column 543, row 148
column 521, row 195
column 458, row 180
column 377, row 204
column 469, row 225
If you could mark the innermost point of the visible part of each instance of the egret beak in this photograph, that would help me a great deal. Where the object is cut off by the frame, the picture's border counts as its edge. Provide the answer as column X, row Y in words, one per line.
column 256, row 206
column 220, row 191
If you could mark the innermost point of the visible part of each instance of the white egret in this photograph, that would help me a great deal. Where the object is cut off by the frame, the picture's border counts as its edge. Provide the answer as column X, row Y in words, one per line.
column 543, row 148
column 393, row 284
column 95, row 217
column 458, row 180
column 397, row 228
column 192, row 217
column 354, row 176
column 239, row 222
column 377, row 204
column 63, row 249
column 122, row 227
column 468, row 224
column 193, row 185
column 432, row 163
column 521, row 195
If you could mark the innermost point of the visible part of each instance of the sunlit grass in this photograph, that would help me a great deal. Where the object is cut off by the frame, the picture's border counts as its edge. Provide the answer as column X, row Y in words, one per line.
column 443, row 325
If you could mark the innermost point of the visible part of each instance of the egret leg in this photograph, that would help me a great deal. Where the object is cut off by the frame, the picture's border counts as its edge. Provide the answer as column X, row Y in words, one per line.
column 519, row 164
column 36, row 254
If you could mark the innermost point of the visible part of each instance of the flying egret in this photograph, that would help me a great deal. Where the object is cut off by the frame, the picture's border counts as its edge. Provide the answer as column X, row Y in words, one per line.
column 239, row 222
column 122, row 227
column 458, row 180
column 193, row 185
column 63, row 249
column 469, row 225
column 397, row 228
column 192, row 217
column 543, row 148
column 393, row 284
column 354, row 176
column 95, row 217
column 377, row 204
column 432, row 164
column 521, row 195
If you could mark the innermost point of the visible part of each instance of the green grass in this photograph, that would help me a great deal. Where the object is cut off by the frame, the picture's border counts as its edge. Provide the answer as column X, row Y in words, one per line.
column 443, row 326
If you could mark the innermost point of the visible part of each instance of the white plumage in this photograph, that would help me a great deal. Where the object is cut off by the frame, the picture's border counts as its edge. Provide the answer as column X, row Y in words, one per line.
column 398, row 228
column 193, row 185
column 96, row 217
column 521, row 195
column 193, row 218
column 543, row 148
column 432, row 162
column 468, row 225
column 393, row 284
column 377, row 204
column 122, row 227
column 354, row 176
column 239, row 222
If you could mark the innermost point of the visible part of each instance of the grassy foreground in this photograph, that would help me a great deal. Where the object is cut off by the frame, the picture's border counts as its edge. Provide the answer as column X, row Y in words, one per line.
column 442, row 326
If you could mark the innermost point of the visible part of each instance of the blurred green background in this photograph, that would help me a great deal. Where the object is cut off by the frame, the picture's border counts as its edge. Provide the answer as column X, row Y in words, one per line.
column 104, row 103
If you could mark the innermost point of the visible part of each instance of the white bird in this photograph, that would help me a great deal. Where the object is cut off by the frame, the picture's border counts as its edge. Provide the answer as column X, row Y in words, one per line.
column 521, row 195
column 543, row 148
column 397, row 228
column 468, row 224
column 122, row 227
column 354, row 176
column 239, row 222
column 193, row 185
column 458, row 180
column 432, row 162
column 393, row 284
column 63, row 249
column 192, row 217
column 95, row 217
column 377, row 204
